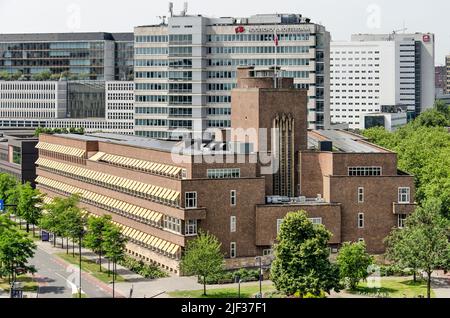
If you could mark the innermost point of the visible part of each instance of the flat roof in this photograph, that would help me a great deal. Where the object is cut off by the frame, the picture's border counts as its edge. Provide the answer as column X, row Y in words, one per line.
column 55, row 37
column 343, row 141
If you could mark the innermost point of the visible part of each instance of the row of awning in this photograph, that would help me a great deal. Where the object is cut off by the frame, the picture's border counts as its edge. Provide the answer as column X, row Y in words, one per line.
column 162, row 246
column 144, row 165
column 142, row 189
column 70, row 151
column 109, row 203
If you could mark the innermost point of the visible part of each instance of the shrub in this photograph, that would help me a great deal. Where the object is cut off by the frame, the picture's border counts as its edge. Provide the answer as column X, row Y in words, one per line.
column 145, row 270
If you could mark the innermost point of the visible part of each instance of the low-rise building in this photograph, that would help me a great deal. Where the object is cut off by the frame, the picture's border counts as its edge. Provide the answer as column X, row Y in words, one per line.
column 18, row 154
column 238, row 188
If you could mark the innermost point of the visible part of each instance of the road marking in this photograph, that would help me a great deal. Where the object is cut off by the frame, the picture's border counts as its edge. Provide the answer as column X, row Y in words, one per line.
column 71, row 285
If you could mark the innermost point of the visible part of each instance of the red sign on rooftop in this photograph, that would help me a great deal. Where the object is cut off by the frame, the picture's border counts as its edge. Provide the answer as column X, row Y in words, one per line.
column 240, row 29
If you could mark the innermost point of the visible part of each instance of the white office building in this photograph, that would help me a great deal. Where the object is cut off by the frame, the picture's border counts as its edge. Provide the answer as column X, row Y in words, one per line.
column 372, row 71
column 185, row 68
column 95, row 106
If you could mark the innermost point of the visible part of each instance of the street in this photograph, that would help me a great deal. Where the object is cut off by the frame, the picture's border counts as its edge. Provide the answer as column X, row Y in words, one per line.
column 57, row 279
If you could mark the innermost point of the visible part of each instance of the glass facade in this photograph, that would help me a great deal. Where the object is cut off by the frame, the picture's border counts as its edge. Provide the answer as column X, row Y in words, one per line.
column 79, row 56
column 86, row 99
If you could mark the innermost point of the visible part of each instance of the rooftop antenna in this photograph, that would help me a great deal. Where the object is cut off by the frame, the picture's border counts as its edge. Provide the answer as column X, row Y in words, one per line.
column 185, row 8
column 171, row 9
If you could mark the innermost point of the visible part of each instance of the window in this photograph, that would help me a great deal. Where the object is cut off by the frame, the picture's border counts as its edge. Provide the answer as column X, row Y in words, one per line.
column 233, row 250
column 267, row 252
column 403, row 195
column 360, row 220
column 191, row 227
column 401, row 220
column 364, row 171
column 360, row 195
column 279, row 221
column 191, row 200
column 233, row 197
column 183, row 174
column 233, row 224
column 316, row 221
column 232, row 173
column 17, row 155
column 172, row 224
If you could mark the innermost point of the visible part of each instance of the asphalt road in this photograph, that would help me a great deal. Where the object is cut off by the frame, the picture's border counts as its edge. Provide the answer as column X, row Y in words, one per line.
column 57, row 279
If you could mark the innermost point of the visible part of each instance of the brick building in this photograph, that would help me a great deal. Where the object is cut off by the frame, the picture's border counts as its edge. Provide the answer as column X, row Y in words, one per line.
column 240, row 188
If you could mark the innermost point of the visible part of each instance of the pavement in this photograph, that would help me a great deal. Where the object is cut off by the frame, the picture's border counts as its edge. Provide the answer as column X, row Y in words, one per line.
column 440, row 283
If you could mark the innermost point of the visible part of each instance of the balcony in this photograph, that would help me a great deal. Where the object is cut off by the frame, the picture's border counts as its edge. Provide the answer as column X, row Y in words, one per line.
column 403, row 208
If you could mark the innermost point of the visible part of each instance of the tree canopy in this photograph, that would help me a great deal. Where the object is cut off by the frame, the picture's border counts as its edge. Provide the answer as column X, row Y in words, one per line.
column 423, row 244
column 423, row 148
column 353, row 262
column 203, row 257
column 301, row 265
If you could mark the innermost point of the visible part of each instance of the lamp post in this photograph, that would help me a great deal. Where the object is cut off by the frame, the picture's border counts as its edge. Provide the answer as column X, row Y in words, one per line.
column 259, row 259
column 239, row 287
column 79, row 250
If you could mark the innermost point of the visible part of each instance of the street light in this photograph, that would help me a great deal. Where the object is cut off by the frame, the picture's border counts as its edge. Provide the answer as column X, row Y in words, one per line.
column 259, row 259
column 79, row 250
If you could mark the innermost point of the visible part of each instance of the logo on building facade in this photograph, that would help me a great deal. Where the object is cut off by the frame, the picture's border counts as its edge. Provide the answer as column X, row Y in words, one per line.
column 239, row 29
column 426, row 38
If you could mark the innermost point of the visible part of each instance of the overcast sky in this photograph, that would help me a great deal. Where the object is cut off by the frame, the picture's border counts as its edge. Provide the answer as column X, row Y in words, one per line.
column 341, row 17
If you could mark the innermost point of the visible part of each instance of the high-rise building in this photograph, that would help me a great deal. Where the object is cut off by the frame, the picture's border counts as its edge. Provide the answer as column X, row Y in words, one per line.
column 373, row 71
column 424, row 55
column 440, row 80
column 94, row 56
column 185, row 69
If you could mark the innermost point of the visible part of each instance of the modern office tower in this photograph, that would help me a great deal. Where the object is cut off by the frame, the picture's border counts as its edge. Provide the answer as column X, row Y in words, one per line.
column 185, row 68
column 94, row 56
column 161, row 193
column 423, row 47
column 63, row 104
column 373, row 71
column 440, row 80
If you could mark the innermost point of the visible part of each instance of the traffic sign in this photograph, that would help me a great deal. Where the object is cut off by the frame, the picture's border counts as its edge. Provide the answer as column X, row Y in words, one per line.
column 2, row 205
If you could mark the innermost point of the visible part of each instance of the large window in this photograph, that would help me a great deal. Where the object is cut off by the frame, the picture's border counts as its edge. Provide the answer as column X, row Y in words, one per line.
column 224, row 173
column 364, row 171
column 404, row 195
column 172, row 224
column 316, row 221
column 360, row 220
column 191, row 227
column 191, row 200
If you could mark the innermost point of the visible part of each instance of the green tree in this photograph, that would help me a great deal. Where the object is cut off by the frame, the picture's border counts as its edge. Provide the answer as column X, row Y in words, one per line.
column 5, row 76
column 353, row 262
column 16, row 248
column 424, row 241
column 203, row 258
column 7, row 185
column 29, row 205
column 54, row 220
column 94, row 239
column 114, row 245
column 301, row 265
column 74, row 221
column 432, row 118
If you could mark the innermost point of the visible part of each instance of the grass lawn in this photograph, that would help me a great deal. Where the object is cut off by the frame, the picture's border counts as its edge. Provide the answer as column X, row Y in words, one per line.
column 90, row 267
column 395, row 287
column 28, row 284
column 246, row 292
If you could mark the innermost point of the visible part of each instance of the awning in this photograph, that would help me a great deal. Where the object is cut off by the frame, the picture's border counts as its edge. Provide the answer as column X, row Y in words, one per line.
column 70, row 151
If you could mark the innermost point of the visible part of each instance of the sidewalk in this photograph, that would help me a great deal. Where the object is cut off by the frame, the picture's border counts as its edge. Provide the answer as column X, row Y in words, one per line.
column 440, row 283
